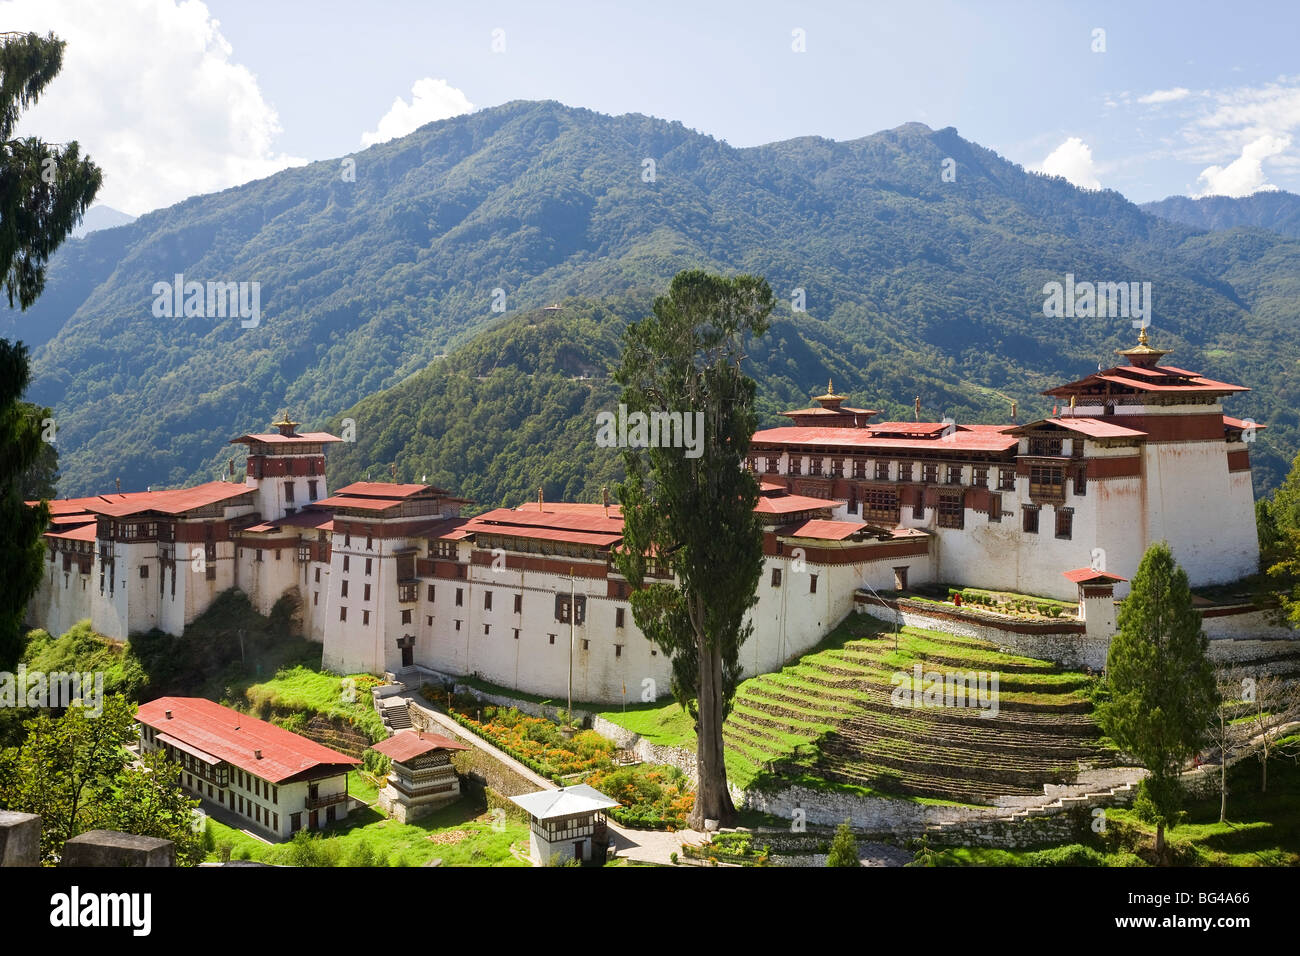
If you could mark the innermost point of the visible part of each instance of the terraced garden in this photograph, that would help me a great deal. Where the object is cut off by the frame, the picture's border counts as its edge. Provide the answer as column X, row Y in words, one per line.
column 827, row 721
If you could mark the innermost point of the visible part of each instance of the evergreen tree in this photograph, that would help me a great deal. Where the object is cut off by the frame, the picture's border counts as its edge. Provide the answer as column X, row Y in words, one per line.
column 1162, row 686
column 844, row 848
column 44, row 190
column 691, row 515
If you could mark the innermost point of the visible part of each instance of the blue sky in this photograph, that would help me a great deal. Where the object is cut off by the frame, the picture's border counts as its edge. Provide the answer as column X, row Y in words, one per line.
column 177, row 98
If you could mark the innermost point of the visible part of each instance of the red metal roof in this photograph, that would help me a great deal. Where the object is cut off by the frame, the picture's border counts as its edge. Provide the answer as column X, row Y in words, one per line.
column 1092, row 427
column 965, row 438
column 1140, row 379
column 84, row 533
column 275, row 438
column 568, row 517
column 234, row 737
column 823, row 529
column 361, row 504
column 173, row 502
column 1231, row 422
column 385, row 489
column 787, row 504
column 407, row 744
column 1084, row 575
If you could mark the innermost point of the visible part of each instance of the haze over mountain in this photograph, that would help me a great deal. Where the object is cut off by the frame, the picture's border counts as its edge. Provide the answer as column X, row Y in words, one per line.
column 1275, row 210
column 101, row 217
column 914, row 285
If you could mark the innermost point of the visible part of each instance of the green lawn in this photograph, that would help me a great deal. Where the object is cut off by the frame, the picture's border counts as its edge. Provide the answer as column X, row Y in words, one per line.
column 465, row 828
column 309, row 691
column 662, row 723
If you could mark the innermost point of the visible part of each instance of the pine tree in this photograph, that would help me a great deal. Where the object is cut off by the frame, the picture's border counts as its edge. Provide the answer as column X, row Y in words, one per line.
column 693, row 515
column 1162, row 685
column 44, row 190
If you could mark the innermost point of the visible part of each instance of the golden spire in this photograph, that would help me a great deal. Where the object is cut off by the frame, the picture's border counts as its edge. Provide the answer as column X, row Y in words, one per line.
column 1142, row 355
column 830, row 399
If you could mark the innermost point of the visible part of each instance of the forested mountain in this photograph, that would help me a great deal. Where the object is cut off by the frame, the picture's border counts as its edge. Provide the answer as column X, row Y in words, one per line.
column 914, row 285
column 1275, row 210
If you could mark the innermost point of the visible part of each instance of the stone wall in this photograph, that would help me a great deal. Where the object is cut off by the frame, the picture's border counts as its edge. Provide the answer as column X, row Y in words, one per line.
column 679, row 757
column 1061, row 641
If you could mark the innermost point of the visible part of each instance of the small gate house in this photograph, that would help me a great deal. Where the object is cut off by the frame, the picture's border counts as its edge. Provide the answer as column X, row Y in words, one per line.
column 422, row 777
column 568, row 822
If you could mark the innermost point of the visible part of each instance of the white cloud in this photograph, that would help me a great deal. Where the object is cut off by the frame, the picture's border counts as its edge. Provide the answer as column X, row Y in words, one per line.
column 1073, row 160
column 1245, row 174
column 1165, row 96
column 430, row 100
column 150, row 90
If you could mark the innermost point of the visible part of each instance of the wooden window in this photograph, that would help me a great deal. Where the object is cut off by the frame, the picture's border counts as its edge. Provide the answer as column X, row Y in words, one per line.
column 952, row 511
column 880, row 504
column 1081, row 481
column 954, row 475
column 1047, row 482
column 144, row 570
column 487, row 629
column 458, row 624
column 343, row 613
column 1064, row 522
column 837, row 467
column 406, row 615
column 1044, row 445
column 315, row 598
column 318, row 575
column 771, row 466
column 1031, row 519
column 288, row 491
column 795, row 464
column 812, row 584
column 519, row 604
column 981, row 476
column 370, row 543
column 460, row 597
column 859, row 468
column 882, row 471
column 343, row 589
column 776, row 577
column 516, row 634
column 428, row 620
column 618, row 617
column 311, row 490
column 586, row 644
column 618, row 650
column 930, row 473
column 487, row 600
column 815, row 465
column 369, row 562
column 1006, row 479
column 346, row 562
column 905, row 471
column 995, row 507
column 918, row 505
column 431, row 593
column 552, row 637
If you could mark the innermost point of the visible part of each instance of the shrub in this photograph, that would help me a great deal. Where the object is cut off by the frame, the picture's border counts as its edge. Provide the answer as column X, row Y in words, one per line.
column 224, row 849
column 672, row 857
column 844, row 848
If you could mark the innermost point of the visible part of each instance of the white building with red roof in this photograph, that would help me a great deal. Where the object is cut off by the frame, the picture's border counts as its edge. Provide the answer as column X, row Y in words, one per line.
column 389, row 577
column 270, row 779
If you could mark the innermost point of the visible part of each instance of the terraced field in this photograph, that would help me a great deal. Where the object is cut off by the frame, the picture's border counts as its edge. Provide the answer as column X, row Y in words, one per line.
column 828, row 720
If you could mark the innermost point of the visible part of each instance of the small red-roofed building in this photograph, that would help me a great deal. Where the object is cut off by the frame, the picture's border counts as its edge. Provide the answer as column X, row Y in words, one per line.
column 422, row 778
column 273, row 781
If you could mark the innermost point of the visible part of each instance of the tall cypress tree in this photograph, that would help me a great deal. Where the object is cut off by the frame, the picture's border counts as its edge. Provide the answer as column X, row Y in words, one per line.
column 692, row 515
column 44, row 190
column 1162, row 686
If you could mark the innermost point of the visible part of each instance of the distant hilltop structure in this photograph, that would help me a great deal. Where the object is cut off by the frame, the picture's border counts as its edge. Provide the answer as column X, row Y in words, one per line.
column 389, row 576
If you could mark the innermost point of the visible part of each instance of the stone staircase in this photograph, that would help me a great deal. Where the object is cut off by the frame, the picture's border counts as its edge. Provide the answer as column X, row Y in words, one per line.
column 397, row 716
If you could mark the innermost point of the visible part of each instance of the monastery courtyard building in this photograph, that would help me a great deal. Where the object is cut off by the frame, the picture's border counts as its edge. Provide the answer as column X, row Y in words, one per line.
column 390, row 576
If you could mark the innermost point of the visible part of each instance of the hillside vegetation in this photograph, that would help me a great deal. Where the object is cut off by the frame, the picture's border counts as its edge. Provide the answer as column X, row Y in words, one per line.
column 936, row 285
